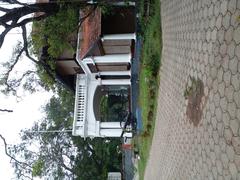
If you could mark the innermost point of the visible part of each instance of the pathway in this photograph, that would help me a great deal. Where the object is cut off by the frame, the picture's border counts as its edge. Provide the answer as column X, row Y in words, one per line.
column 201, row 39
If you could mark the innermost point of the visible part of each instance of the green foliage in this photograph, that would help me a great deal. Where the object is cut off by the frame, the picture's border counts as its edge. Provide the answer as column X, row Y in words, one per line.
column 103, row 107
column 102, row 156
column 47, row 82
column 150, row 63
column 54, row 32
column 37, row 168
column 114, row 106
column 152, row 46
column 8, row 66
column 106, row 9
column 60, row 109
column 60, row 155
column 60, row 27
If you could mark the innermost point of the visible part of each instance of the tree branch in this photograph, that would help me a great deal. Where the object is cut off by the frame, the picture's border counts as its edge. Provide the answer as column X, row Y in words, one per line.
column 3, row 34
column 4, row 9
column 13, row 84
column 25, row 44
column 46, row 67
column 22, row 164
column 13, row 2
column 6, row 110
column 25, row 176
column 11, row 67
column 31, row 19
column 13, row 15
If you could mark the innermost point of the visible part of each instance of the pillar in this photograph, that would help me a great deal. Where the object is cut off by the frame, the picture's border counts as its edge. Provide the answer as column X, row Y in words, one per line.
column 128, row 36
column 110, row 125
column 111, row 58
column 115, row 73
column 113, row 133
column 116, row 82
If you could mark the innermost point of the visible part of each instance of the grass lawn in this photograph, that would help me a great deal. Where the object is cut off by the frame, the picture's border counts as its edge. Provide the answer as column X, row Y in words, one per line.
column 149, row 77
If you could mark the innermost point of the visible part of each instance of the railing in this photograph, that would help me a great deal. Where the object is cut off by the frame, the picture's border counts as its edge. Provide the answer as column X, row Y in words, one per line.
column 80, row 106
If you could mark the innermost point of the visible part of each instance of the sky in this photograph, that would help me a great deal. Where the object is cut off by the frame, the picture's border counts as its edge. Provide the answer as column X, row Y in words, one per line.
column 25, row 111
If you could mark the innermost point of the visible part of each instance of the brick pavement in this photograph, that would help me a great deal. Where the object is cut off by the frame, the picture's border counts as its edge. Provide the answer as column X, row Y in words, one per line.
column 201, row 39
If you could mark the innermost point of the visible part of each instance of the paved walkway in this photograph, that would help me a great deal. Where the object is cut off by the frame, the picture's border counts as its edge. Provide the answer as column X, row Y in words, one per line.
column 201, row 39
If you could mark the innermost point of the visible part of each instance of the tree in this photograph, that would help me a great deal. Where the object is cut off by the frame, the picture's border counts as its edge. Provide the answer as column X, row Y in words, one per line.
column 19, row 17
column 58, row 154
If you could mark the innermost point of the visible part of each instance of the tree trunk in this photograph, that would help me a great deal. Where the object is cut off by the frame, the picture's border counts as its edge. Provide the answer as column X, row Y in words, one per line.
column 16, row 13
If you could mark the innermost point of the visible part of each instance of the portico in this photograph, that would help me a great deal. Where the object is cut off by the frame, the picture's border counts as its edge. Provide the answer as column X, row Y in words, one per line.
column 90, row 87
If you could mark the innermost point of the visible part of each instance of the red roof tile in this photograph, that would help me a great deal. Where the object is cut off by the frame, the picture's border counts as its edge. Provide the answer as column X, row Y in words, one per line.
column 91, row 31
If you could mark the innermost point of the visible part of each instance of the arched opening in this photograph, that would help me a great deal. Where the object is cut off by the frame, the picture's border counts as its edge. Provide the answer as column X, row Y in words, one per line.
column 111, row 103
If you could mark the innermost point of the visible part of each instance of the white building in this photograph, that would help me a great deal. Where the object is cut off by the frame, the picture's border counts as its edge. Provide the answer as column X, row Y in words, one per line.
column 105, row 61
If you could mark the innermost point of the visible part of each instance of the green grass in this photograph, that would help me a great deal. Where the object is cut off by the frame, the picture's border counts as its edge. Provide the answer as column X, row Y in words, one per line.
column 149, row 77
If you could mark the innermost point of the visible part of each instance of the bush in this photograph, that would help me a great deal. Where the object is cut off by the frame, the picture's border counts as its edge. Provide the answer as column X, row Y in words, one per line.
column 54, row 32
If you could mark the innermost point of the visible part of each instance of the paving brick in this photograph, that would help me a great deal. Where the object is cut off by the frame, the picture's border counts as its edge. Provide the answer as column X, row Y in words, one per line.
column 234, row 18
column 234, row 125
column 218, row 113
column 229, row 93
column 228, row 134
column 232, row 108
column 214, row 172
column 236, row 96
column 233, row 170
column 225, row 63
column 219, row 167
column 224, row 7
column 220, row 130
column 237, row 161
column 224, row 160
column 220, row 35
column 229, row 35
column 221, row 88
column 230, row 153
column 217, row 5
column 238, row 114
column 219, row 21
column 200, row 39
column 237, row 52
column 226, row 119
column 231, row 48
column 232, row 5
column 226, row 20
column 236, row 144
column 236, row 35
column 235, row 81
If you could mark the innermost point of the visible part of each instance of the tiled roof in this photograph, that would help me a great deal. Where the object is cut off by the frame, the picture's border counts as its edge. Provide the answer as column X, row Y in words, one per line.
column 91, row 31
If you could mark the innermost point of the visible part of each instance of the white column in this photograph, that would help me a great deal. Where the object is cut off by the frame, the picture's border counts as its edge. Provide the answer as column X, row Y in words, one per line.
column 116, row 82
column 119, row 36
column 112, row 58
column 115, row 73
column 127, row 134
column 124, row 3
column 110, row 125
column 114, row 133
column 110, row 132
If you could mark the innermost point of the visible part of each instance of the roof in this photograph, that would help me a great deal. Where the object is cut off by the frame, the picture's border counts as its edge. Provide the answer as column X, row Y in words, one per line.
column 91, row 31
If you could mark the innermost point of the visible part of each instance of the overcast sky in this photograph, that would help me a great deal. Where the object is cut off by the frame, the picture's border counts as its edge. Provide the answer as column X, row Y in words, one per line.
column 25, row 112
